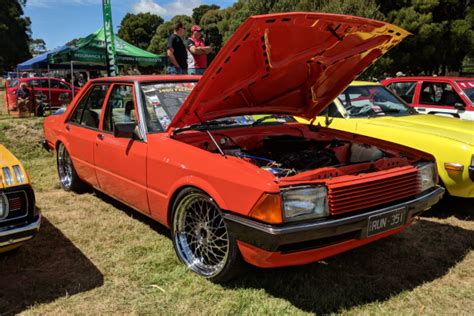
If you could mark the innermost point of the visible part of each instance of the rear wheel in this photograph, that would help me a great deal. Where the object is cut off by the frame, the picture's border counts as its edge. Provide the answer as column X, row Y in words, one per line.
column 201, row 239
column 66, row 172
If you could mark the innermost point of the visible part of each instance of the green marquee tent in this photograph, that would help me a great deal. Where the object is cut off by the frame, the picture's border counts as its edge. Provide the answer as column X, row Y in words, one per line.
column 90, row 50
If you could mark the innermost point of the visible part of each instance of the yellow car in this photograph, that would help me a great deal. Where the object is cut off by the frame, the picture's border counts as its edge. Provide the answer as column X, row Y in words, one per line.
column 370, row 109
column 19, row 218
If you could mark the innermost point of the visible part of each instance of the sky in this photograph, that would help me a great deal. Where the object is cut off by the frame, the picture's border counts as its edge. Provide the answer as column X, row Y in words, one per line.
column 59, row 21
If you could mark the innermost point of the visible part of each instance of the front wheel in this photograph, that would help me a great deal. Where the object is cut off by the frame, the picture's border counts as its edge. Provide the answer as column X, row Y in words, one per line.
column 201, row 238
column 67, row 174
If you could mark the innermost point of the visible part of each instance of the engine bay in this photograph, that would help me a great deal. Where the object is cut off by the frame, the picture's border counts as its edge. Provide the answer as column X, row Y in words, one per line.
column 297, row 149
column 286, row 155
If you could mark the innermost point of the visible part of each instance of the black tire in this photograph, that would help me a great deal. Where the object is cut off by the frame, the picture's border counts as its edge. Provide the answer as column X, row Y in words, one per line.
column 67, row 174
column 201, row 238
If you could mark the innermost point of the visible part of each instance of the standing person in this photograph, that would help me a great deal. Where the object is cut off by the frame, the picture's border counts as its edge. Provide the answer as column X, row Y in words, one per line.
column 197, row 59
column 176, row 51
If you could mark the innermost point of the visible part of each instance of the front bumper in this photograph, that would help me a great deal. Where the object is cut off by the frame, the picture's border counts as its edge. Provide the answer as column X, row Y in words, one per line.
column 15, row 234
column 295, row 237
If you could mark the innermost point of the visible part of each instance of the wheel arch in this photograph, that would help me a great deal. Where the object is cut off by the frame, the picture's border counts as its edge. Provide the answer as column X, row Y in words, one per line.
column 196, row 183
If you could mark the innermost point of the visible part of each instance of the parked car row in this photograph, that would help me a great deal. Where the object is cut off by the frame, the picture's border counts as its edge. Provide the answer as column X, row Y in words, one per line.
column 222, row 163
column 53, row 92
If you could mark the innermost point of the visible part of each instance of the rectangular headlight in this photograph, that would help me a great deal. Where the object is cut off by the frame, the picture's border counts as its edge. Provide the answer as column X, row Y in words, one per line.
column 7, row 175
column 19, row 175
column 427, row 177
column 305, row 203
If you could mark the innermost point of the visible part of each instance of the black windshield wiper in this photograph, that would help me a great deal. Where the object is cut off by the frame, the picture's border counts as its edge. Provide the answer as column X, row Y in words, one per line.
column 205, row 126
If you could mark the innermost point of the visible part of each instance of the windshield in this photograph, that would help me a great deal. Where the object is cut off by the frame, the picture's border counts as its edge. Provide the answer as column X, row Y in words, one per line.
column 365, row 101
column 163, row 100
column 468, row 88
column 13, row 83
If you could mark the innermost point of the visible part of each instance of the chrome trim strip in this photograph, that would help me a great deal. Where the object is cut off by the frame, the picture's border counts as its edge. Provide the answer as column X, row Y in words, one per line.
column 141, row 113
column 33, row 228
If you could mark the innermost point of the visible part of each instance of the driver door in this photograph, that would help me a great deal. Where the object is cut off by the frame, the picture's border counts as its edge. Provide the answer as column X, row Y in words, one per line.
column 121, row 162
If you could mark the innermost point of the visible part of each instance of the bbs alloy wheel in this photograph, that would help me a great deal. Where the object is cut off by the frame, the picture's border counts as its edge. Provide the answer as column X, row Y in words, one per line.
column 201, row 238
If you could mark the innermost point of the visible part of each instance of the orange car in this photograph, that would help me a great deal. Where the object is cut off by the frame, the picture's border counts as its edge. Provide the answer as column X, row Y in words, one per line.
column 191, row 152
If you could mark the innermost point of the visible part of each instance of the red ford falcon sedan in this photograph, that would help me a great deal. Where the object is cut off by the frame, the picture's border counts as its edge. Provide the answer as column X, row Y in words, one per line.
column 219, row 161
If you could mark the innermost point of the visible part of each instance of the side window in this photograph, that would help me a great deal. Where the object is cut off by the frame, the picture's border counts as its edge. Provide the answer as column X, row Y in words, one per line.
column 438, row 93
column 120, row 107
column 405, row 90
column 88, row 111
column 62, row 85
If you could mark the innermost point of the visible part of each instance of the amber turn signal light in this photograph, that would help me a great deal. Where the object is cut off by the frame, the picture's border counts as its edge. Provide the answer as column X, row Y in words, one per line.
column 453, row 166
column 268, row 209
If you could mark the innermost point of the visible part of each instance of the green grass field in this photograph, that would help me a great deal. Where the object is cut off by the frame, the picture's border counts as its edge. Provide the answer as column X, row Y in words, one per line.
column 93, row 255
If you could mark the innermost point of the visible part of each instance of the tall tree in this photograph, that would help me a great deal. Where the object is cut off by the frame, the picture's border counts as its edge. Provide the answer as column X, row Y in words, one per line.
column 443, row 35
column 15, row 34
column 139, row 29
column 199, row 12
column 160, row 39
column 37, row 46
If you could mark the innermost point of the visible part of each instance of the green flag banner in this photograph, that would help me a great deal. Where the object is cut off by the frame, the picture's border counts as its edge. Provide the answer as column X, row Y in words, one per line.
column 112, row 69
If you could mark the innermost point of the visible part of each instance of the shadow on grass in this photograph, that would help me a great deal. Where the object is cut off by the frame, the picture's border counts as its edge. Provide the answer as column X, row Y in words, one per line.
column 422, row 253
column 44, row 269
column 461, row 208
column 156, row 226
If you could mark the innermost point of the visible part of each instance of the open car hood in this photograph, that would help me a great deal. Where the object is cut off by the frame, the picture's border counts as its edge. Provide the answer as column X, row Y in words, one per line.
column 289, row 63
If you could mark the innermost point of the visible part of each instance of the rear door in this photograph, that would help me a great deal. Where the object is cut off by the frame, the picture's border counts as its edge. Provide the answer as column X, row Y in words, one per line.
column 121, row 162
column 82, row 130
column 437, row 97
column 60, row 93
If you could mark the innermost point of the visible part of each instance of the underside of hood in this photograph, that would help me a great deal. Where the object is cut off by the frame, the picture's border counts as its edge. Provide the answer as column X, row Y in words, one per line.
column 290, row 63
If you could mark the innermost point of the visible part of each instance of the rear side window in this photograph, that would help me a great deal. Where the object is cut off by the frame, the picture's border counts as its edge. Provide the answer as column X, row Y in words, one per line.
column 405, row 90
column 120, row 107
column 438, row 93
column 56, row 84
column 87, row 113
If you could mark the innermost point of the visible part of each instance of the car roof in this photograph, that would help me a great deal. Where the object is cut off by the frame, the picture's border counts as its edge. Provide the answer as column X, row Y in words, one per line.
column 147, row 78
column 40, row 78
column 405, row 78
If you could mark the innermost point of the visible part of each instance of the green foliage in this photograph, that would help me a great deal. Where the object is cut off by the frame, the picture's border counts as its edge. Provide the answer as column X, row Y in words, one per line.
column 210, row 22
column 364, row 8
column 443, row 35
column 14, row 34
column 443, row 30
column 138, row 29
column 159, row 40
column 37, row 46
column 199, row 12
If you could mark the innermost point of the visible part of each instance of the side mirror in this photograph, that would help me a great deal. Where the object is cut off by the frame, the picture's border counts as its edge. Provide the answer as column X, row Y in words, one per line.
column 459, row 106
column 127, row 130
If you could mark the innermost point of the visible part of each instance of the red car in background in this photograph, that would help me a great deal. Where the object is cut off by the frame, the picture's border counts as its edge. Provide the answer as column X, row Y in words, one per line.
column 42, row 89
column 450, row 96
column 189, row 151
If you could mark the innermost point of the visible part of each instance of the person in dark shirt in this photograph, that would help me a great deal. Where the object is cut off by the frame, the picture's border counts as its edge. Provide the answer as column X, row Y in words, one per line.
column 176, row 51
column 23, row 98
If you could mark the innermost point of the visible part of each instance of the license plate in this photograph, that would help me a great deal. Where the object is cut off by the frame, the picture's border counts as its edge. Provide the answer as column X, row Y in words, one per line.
column 383, row 222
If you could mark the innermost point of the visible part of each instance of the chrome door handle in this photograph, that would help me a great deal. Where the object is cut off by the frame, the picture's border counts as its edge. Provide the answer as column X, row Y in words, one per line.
column 100, row 136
